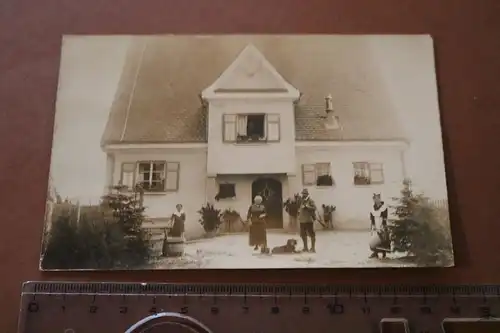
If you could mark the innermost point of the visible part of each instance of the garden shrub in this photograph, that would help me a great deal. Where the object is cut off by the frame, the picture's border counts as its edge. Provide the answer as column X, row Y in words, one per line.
column 109, row 237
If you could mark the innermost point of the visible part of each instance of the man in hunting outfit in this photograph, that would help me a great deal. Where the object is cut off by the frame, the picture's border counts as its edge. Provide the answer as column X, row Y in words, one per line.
column 307, row 216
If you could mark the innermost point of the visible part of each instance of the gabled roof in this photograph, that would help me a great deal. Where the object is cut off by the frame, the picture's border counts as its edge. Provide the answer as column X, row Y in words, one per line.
column 250, row 72
column 158, row 98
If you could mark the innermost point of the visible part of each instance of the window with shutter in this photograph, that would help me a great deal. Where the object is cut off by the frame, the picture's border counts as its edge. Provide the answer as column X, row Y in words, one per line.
column 173, row 173
column 127, row 175
column 318, row 174
column 322, row 169
column 273, row 127
column 308, row 174
column 366, row 173
column 229, row 128
column 151, row 175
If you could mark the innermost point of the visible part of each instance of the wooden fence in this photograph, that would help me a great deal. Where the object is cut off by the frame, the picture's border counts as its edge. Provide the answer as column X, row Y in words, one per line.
column 442, row 211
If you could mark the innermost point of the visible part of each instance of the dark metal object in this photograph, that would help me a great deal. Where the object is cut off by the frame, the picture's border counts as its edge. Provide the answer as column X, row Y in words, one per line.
column 69, row 307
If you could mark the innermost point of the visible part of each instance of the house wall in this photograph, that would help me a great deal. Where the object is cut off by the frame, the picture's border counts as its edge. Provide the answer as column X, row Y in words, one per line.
column 353, row 202
column 192, row 182
column 196, row 187
column 251, row 158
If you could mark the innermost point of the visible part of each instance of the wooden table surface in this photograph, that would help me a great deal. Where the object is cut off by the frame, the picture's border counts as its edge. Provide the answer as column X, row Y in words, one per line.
column 467, row 44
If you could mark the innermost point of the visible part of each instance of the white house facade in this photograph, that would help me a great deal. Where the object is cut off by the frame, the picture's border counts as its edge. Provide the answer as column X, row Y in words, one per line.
column 242, row 127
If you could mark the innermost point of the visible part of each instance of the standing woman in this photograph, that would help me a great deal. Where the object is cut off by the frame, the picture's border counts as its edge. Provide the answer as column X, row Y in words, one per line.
column 173, row 243
column 178, row 218
column 257, row 217
column 380, row 242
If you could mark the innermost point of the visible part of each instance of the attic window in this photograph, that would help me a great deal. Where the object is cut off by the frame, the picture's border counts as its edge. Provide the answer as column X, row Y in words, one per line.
column 226, row 191
column 251, row 127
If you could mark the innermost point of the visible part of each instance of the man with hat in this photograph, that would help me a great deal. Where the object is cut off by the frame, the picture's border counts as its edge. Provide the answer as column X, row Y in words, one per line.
column 307, row 216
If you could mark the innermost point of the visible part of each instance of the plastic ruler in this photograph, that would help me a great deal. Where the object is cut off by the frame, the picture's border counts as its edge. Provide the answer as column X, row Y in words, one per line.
column 69, row 307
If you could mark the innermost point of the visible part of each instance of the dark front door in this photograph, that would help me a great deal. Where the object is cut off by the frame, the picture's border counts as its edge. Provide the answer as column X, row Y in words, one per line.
column 271, row 192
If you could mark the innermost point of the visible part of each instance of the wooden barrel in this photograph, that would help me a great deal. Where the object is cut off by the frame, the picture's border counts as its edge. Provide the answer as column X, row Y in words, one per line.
column 174, row 247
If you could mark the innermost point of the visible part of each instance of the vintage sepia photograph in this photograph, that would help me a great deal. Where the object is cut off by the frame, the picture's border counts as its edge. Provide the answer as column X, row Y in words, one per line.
column 246, row 152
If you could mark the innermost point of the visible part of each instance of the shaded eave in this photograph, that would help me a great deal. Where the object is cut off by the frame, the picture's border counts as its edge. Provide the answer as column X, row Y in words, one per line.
column 121, row 146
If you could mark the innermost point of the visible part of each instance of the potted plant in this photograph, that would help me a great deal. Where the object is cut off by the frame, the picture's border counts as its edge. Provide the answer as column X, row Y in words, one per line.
column 230, row 216
column 324, row 180
column 292, row 206
column 328, row 215
column 361, row 180
column 210, row 219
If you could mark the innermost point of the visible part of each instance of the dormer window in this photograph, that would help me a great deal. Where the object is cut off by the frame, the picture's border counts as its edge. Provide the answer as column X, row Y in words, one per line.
column 251, row 128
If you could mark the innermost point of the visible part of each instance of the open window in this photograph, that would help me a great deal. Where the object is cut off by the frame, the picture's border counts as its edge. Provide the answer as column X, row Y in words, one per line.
column 366, row 173
column 152, row 176
column 226, row 191
column 243, row 128
column 318, row 174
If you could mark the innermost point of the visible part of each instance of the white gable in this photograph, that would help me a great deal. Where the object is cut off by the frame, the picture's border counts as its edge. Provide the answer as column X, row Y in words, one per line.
column 251, row 73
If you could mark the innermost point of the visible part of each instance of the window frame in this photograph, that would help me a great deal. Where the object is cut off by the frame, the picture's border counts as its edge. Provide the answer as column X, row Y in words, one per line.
column 370, row 167
column 230, row 184
column 267, row 122
column 317, row 174
column 136, row 174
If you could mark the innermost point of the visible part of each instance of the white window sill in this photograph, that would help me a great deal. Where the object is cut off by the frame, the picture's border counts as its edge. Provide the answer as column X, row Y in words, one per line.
column 227, row 199
column 320, row 187
column 368, row 185
column 324, row 187
column 253, row 143
column 158, row 193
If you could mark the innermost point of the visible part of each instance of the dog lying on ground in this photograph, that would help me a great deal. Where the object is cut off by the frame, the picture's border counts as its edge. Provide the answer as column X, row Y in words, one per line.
column 289, row 247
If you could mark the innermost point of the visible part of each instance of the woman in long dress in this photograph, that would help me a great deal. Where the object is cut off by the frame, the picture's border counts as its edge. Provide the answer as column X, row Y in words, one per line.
column 257, row 217
column 176, row 233
column 380, row 242
column 178, row 218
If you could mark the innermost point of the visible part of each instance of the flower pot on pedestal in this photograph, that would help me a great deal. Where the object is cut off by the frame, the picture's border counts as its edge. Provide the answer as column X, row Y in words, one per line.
column 292, row 223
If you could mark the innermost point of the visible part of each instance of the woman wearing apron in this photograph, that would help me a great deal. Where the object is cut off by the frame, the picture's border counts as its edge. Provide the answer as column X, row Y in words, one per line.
column 380, row 241
column 173, row 243
column 178, row 218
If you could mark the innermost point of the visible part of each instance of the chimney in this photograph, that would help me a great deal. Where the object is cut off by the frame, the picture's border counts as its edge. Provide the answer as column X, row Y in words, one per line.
column 329, row 104
column 331, row 120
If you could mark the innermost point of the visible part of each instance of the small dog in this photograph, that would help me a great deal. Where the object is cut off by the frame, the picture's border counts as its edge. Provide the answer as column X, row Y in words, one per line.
column 289, row 247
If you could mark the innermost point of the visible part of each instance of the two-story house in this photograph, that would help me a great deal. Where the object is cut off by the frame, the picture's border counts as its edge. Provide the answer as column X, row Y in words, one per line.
column 201, row 119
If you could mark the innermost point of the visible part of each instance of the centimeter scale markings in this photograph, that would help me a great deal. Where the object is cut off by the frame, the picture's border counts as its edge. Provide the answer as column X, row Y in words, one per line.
column 69, row 307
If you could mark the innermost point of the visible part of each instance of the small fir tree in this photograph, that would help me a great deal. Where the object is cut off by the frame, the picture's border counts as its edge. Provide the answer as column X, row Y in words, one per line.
column 417, row 231
column 128, row 212
column 405, row 226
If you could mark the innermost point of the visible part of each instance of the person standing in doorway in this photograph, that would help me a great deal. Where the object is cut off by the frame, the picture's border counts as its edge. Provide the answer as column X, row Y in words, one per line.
column 307, row 216
column 257, row 217
column 380, row 242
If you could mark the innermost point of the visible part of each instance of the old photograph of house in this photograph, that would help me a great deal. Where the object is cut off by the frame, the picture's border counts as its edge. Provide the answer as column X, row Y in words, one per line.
column 246, row 151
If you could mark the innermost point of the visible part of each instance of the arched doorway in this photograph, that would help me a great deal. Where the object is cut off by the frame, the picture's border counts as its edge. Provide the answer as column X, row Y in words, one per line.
column 271, row 191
